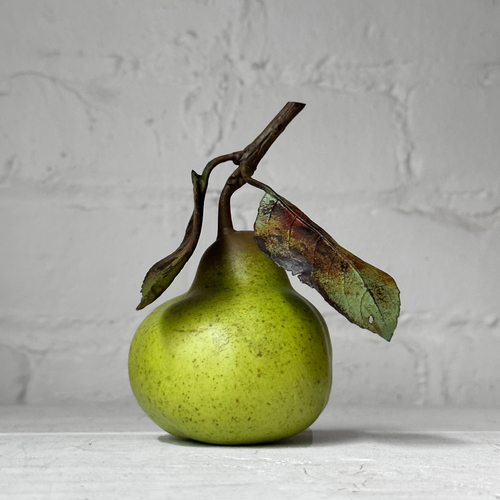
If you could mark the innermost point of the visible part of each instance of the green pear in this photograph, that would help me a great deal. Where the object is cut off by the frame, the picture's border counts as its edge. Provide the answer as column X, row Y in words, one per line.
column 240, row 358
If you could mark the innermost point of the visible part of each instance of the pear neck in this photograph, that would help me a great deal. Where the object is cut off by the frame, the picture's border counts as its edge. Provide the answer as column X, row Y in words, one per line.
column 235, row 261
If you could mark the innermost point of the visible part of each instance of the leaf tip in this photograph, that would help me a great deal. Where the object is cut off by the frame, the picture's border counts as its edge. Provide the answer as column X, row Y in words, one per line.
column 387, row 335
column 195, row 177
column 147, row 298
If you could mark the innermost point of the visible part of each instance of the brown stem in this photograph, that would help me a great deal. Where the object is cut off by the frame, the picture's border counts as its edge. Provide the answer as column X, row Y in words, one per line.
column 249, row 160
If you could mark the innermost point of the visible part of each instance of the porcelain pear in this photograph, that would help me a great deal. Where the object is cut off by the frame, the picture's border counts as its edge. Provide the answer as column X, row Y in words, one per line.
column 240, row 358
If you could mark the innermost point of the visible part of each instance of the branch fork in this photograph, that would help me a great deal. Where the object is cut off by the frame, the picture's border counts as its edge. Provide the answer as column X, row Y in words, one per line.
column 248, row 160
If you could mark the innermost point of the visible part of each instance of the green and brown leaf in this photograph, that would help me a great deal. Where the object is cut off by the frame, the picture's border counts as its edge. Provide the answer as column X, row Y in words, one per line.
column 161, row 274
column 362, row 293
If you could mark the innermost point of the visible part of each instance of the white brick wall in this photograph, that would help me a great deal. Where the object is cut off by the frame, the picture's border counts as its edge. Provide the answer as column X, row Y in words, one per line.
column 105, row 107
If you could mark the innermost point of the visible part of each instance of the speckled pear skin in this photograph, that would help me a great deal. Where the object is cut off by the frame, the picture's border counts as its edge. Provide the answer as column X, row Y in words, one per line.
column 240, row 358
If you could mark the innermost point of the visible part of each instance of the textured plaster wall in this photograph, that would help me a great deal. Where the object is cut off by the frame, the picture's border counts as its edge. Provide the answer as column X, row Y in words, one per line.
column 106, row 106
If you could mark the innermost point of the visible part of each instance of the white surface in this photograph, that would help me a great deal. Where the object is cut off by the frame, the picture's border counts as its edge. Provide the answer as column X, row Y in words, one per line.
column 110, row 452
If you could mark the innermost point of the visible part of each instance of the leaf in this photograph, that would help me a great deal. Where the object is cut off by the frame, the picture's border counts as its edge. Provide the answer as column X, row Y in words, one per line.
column 362, row 293
column 161, row 275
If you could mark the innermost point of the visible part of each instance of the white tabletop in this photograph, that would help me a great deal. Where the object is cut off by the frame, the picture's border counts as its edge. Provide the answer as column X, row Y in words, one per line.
column 115, row 452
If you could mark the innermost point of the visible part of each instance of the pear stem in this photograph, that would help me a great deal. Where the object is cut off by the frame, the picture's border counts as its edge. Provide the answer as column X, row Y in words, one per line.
column 248, row 161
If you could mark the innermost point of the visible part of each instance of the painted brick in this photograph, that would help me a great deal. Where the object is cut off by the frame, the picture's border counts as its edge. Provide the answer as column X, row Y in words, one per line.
column 105, row 108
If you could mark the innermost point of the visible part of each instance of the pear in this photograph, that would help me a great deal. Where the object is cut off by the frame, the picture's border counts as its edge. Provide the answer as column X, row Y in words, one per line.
column 240, row 358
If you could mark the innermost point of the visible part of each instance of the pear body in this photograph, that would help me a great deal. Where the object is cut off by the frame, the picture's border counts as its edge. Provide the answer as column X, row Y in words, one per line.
column 240, row 358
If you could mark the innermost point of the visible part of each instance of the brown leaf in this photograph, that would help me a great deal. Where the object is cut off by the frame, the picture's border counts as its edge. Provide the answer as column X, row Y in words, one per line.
column 161, row 275
column 362, row 293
